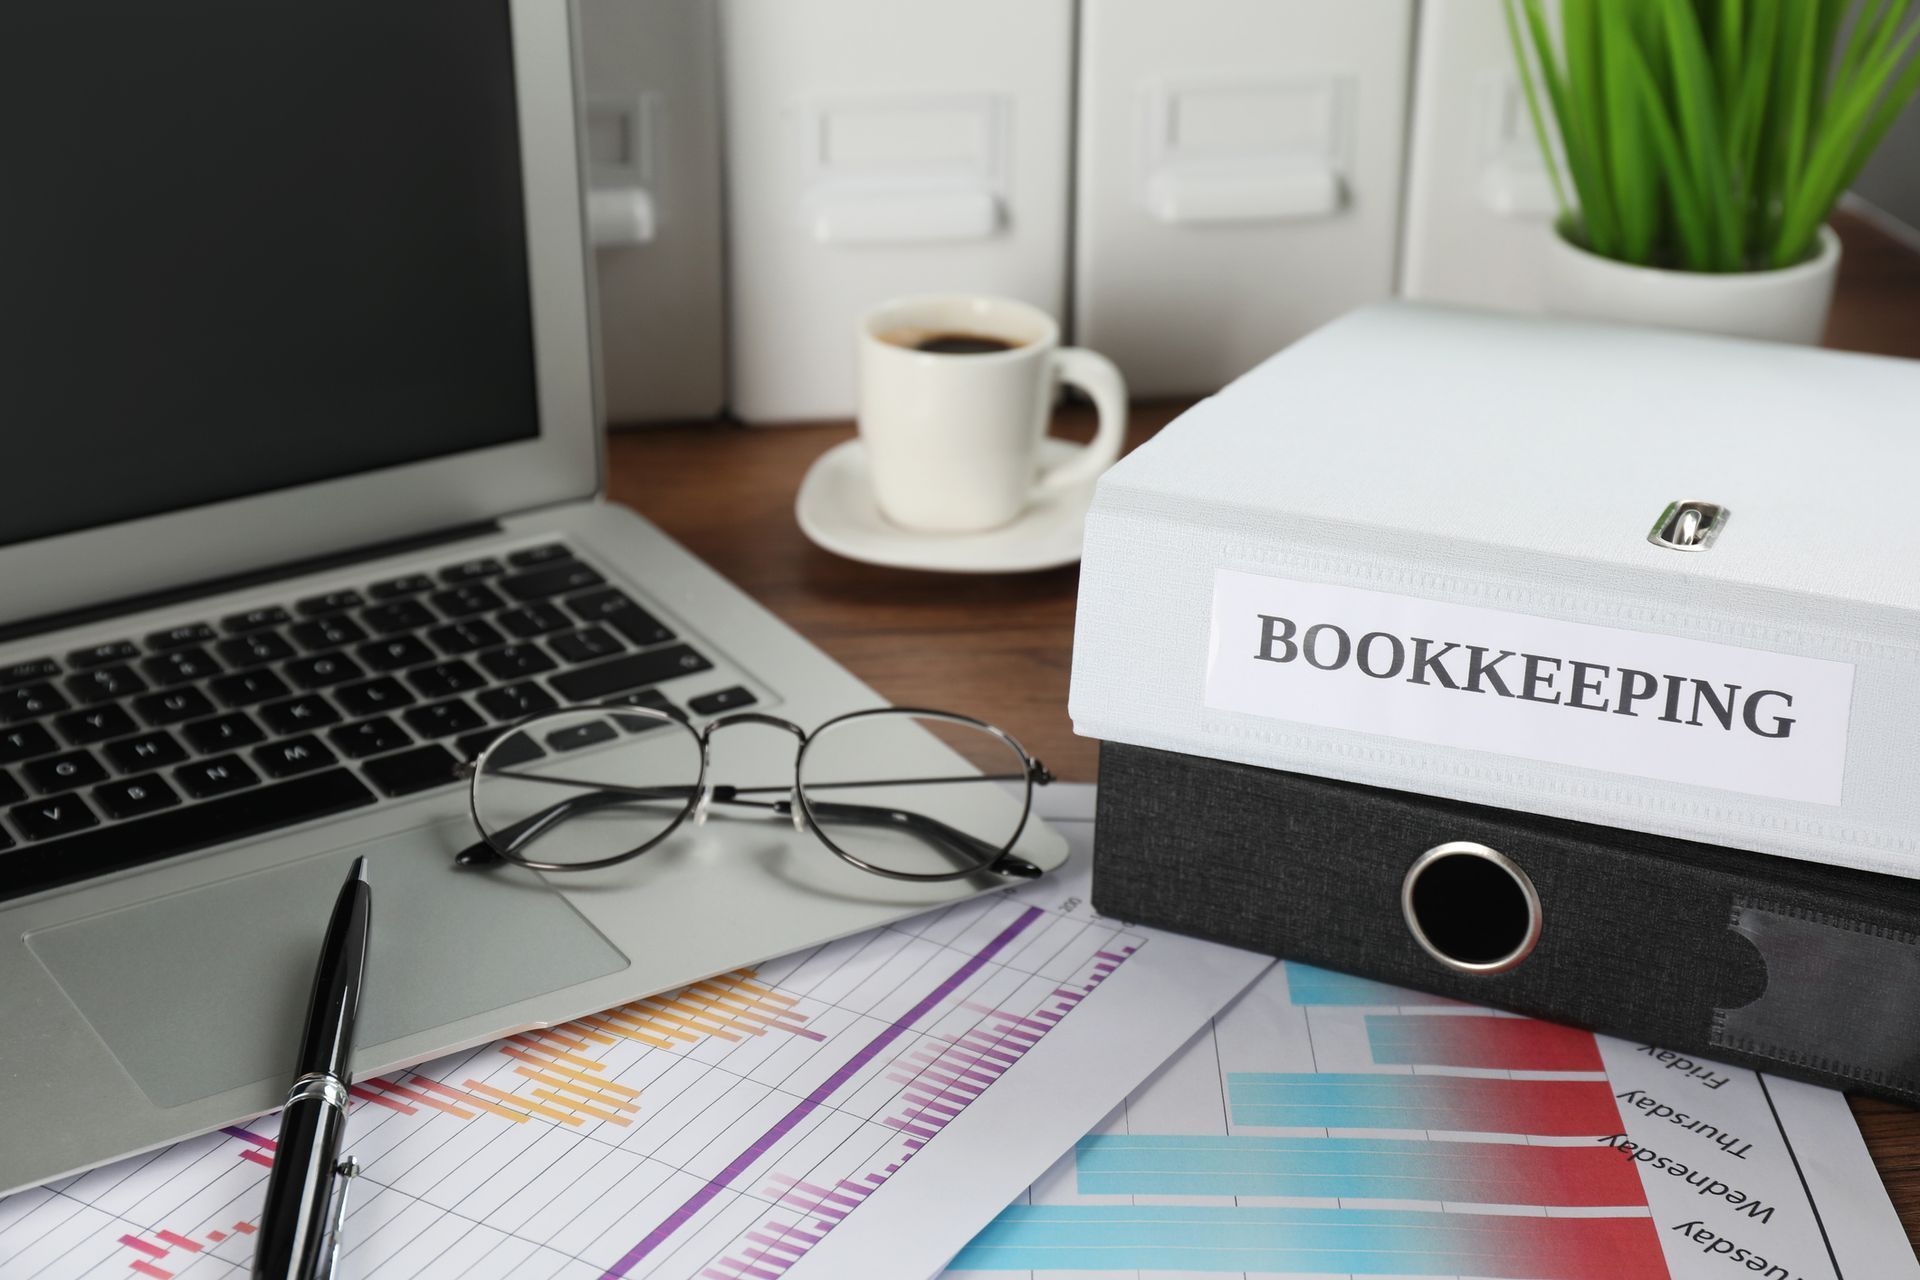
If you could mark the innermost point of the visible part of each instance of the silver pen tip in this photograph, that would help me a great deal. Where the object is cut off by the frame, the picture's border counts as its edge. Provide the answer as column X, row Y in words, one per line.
column 359, row 869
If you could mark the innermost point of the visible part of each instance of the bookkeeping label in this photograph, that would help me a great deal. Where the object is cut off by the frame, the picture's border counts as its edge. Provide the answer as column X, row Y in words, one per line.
column 1680, row 710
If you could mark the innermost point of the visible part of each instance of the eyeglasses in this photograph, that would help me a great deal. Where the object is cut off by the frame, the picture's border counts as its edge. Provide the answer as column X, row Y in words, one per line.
column 597, row 785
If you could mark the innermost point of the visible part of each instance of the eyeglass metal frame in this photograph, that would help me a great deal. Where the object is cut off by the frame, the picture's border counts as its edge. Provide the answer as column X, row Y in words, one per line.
column 702, row 795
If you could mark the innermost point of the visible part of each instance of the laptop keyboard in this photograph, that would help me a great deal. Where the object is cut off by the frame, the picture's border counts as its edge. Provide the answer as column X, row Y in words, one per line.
column 139, row 749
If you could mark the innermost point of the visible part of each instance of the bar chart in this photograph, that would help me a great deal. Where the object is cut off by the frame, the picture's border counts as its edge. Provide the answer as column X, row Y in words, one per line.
column 1333, row 1126
column 718, row 1132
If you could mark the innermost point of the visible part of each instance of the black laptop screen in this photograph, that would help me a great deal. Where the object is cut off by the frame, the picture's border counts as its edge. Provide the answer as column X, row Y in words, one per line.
column 248, row 244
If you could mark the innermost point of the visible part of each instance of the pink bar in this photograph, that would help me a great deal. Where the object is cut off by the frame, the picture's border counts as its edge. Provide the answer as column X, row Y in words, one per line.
column 785, row 1246
column 914, row 1144
column 257, row 1158
column 826, row 1194
column 173, row 1238
column 859, row 1192
column 936, row 1123
column 928, row 1104
column 1108, row 955
column 1002, row 1013
column 904, row 1127
column 147, row 1247
column 877, row 1179
column 779, row 1265
column 148, row 1269
column 360, row 1091
column 785, row 1230
column 989, row 1047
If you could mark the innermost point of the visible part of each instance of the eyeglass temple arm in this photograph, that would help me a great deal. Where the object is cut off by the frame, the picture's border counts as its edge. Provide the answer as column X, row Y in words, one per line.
column 932, row 830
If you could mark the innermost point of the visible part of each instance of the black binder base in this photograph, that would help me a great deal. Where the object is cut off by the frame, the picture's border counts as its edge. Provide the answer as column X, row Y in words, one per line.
column 1772, row 963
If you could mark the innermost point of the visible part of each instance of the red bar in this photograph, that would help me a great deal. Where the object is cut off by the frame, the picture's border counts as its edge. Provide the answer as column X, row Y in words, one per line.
column 360, row 1091
column 244, row 1228
column 145, row 1246
column 265, row 1162
column 1478, row 1040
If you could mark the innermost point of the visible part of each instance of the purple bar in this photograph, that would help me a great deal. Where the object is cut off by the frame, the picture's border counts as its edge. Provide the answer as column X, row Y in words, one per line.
column 1108, row 955
column 785, row 1246
column 876, row 1179
column 906, row 1126
column 1002, row 1013
column 826, row 1089
column 248, row 1135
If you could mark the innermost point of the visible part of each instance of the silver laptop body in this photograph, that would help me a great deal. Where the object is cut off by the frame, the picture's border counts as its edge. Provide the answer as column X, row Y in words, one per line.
column 163, row 998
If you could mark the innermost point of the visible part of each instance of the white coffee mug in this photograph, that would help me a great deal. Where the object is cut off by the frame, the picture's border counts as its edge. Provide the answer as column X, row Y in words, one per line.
column 953, row 439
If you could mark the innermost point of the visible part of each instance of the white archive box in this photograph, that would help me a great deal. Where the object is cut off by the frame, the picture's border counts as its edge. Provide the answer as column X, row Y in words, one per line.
column 1239, row 177
column 877, row 149
column 652, row 73
column 1661, row 582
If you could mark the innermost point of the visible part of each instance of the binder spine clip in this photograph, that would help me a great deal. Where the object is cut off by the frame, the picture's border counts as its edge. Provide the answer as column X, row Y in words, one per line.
column 1830, row 982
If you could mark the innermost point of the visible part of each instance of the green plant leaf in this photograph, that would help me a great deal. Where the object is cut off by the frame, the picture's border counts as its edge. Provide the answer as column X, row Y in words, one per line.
column 1630, row 168
column 1533, row 108
column 1800, row 49
column 1667, row 156
column 1585, row 126
column 1706, row 176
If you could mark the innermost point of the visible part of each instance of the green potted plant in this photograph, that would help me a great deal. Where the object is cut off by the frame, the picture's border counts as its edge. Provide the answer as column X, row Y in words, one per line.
column 1702, row 145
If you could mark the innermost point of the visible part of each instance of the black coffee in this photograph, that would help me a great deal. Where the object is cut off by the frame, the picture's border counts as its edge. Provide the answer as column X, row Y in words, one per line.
column 962, row 344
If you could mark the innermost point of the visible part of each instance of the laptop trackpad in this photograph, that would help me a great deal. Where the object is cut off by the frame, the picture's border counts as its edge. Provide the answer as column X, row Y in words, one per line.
column 206, row 990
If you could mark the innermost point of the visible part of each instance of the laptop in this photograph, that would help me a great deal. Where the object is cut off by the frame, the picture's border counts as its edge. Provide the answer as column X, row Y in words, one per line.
column 300, row 503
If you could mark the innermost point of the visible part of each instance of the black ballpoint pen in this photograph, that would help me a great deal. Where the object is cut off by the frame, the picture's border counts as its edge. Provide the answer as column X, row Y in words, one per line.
column 295, row 1235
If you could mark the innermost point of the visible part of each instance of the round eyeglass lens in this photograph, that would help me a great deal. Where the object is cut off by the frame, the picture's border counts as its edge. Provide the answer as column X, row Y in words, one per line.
column 914, row 795
column 586, row 785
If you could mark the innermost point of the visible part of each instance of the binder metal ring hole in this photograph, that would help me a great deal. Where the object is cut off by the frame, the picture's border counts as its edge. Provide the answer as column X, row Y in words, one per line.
column 1471, row 908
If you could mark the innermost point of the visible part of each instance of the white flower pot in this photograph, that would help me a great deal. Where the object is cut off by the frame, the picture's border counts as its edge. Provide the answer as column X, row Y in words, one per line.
column 1786, row 305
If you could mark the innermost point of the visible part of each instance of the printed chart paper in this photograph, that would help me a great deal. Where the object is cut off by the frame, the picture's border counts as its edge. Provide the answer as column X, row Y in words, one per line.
column 1329, row 1126
column 729, row 1131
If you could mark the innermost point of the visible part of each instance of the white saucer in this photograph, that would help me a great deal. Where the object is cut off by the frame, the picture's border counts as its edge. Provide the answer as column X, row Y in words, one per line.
column 837, row 510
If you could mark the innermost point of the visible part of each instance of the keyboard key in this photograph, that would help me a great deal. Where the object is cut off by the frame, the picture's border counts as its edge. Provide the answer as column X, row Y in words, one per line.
column 621, row 613
column 466, row 637
column 253, row 649
column 648, row 698
column 411, row 584
column 296, row 715
column 249, row 687
column 132, row 797
column 395, row 653
column 371, row 697
column 544, row 554
column 172, row 831
column 398, row 615
column 586, row 645
column 327, row 633
column 555, row 579
column 369, row 737
column 533, row 620
column 96, row 724
column 171, row 706
column 292, row 756
column 443, row 719
column 517, row 701
column 153, row 750
column 330, row 602
column 589, row 684
column 322, row 670
column 516, row 662
column 445, row 679
column 177, row 666
column 181, row 636
column 100, row 655
column 585, row 734
column 469, row 747
column 466, row 599
column 712, row 704
column 215, row 777
column 30, row 670
column 415, row 770
column 104, row 683
column 223, row 733
column 271, row 615
column 472, row 569
column 11, row 792
column 53, row 816
column 23, row 742
column 64, row 772
column 30, row 700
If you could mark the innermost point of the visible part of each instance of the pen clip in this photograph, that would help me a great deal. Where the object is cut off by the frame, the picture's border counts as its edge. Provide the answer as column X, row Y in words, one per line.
column 346, row 1171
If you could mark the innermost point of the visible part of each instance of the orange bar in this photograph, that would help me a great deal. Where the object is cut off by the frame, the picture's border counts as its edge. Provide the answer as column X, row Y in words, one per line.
column 668, row 1019
column 538, row 1109
column 244, row 1228
column 722, row 1014
column 518, row 1117
column 765, row 993
column 560, row 1069
column 587, row 1107
column 637, row 1034
column 414, row 1095
column 585, row 1091
column 643, row 1019
column 735, row 993
column 581, row 1027
column 525, row 1043
column 548, row 1034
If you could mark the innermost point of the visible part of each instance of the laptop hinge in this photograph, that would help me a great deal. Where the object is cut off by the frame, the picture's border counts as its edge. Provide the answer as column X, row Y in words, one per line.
column 239, row 581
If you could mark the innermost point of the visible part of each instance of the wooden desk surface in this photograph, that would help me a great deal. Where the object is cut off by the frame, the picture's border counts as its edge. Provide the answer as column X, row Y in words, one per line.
column 999, row 647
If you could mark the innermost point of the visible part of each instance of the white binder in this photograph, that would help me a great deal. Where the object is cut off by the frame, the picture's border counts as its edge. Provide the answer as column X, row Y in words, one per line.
column 1318, row 569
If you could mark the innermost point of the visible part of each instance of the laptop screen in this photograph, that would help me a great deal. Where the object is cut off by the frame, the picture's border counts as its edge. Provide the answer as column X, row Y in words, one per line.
column 250, row 244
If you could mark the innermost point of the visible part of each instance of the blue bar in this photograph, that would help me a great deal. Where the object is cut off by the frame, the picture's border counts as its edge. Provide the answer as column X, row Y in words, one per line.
column 1345, row 1168
column 1307, row 985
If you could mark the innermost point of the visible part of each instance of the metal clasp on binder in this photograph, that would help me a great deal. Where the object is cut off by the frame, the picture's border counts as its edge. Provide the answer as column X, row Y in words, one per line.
column 1689, row 525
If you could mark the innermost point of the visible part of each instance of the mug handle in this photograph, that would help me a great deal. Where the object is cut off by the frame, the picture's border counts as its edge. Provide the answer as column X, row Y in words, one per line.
column 1096, row 375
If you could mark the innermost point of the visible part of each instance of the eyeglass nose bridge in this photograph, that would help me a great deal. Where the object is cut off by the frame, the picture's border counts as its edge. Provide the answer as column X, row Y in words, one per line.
column 704, row 805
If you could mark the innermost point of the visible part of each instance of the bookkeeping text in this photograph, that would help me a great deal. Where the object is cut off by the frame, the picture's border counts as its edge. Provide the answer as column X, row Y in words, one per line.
column 1528, row 677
